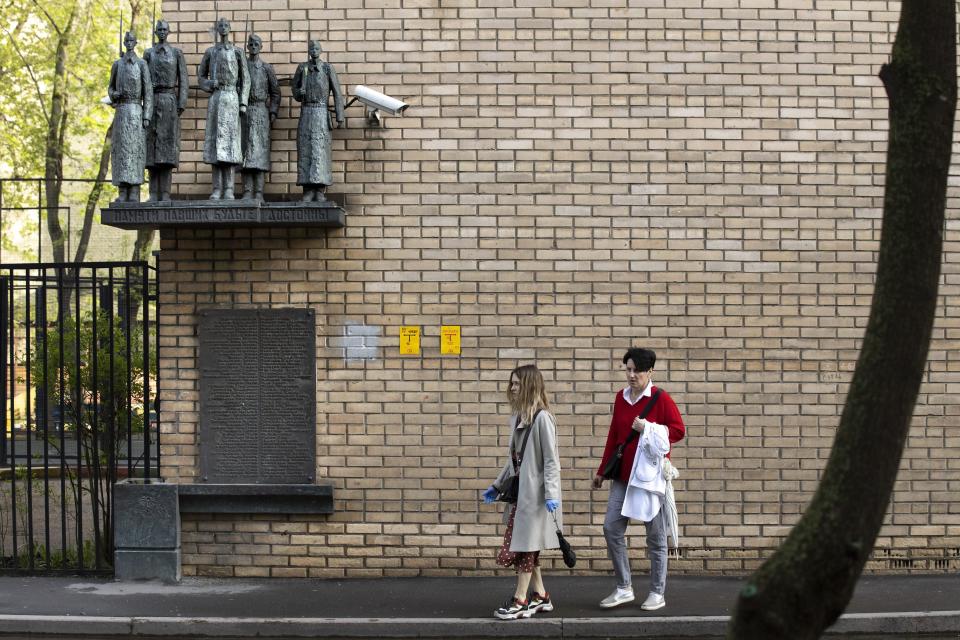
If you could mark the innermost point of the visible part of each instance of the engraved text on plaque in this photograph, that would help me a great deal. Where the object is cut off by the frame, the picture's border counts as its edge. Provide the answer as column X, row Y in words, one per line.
column 258, row 396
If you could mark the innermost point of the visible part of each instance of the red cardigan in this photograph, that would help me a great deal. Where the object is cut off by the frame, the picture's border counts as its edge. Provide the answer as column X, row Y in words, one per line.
column 664, row 412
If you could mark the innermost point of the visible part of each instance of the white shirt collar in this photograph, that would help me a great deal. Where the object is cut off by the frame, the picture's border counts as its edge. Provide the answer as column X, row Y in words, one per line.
column 645, row 393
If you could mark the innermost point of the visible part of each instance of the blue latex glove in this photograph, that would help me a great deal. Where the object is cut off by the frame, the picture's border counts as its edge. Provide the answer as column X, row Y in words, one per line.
column 490, row 495
column 552, row 505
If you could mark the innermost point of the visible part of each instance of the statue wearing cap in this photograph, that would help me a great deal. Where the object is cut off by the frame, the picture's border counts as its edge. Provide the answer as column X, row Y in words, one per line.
column 168, row 71
column 313, row 84
column 262, row 109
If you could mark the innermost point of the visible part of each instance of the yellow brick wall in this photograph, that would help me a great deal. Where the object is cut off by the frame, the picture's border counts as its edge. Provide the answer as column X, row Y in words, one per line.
column 572, row 178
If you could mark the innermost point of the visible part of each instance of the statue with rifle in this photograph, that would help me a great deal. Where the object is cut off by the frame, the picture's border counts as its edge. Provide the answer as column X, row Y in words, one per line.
column 131, row 95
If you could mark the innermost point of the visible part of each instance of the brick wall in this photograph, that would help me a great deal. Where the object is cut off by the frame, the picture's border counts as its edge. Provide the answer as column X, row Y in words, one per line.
column 572, row 178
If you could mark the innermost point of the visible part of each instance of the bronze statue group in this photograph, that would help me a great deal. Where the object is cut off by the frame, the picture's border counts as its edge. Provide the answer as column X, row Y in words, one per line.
column 150, row 94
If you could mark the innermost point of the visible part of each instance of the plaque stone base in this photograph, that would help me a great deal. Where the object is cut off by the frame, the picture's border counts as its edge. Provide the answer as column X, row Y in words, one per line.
column 256, row 498
column 222, row 213
column 147, row 530
column 147, row 517
column 147, row 565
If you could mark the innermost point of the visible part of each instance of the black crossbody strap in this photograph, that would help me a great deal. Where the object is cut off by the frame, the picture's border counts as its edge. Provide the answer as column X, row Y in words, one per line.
column 523, row 447
column 643, row 414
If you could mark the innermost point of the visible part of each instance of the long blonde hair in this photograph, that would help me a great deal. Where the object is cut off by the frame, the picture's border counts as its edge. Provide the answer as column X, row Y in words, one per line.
column 532, row 394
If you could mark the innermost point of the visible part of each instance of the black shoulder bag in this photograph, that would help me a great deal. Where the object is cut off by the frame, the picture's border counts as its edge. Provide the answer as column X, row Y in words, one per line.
column 511, row 491
column 612, row 470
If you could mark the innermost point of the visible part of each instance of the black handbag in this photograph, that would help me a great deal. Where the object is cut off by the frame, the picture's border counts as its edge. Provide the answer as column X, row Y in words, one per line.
column 612, row 470
column 510, row 492
column 569, row 555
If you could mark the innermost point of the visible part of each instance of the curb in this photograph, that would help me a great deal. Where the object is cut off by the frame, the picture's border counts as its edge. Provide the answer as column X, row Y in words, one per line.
column 891, row 623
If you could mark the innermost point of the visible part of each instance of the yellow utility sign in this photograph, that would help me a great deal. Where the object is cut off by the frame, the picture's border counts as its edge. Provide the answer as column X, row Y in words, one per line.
column 450, row 340
column 409, row 341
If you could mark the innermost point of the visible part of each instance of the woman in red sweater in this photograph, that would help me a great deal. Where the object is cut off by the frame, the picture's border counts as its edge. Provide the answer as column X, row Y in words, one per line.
column 627, row 408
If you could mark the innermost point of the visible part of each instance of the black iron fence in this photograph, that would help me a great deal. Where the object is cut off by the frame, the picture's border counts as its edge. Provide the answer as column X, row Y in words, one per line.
column 23, row 209
column 77, row 391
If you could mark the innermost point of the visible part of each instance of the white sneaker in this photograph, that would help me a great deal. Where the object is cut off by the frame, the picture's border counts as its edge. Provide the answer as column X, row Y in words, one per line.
column 618, row 597
column 653, row 602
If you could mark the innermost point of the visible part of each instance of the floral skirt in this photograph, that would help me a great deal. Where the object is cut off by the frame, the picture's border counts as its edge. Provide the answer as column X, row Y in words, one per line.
column 522, row 561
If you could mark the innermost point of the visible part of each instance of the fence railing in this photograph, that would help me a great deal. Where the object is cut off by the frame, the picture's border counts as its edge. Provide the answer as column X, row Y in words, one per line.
column 77, row 392
column 23, row 205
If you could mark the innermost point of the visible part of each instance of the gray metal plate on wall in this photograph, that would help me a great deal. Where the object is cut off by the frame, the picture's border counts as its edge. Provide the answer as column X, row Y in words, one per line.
column 257, row 396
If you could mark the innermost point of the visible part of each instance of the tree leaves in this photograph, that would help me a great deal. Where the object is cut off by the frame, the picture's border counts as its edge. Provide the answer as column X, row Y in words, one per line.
column 31, row 31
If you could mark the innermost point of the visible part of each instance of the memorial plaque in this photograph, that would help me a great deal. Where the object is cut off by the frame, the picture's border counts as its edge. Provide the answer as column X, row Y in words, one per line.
column 258, row 396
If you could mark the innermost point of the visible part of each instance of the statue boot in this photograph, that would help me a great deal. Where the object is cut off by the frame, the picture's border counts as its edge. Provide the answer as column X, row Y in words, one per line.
column 229, row 176
column 133, row 193
column 309, row 193
column 122, row 193
column 259, row 178
column 154, row 184
column 217, row 178
column 248, row 185
column 166, row 180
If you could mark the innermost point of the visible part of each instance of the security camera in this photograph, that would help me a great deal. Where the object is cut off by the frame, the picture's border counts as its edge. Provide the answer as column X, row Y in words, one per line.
column 376, row 102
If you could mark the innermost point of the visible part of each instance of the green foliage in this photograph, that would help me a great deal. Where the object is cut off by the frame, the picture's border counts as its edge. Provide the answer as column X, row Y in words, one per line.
column 101, row 390
column 30, row 33
column 59, row 558
column 103, row 381
column 14, row 500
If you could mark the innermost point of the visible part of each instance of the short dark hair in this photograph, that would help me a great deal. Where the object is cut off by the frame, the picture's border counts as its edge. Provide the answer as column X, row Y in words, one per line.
column 643, row 359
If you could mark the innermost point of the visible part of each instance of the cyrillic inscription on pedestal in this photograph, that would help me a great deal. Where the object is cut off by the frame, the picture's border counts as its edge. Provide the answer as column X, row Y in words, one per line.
column 235, row 213
column 257, row 396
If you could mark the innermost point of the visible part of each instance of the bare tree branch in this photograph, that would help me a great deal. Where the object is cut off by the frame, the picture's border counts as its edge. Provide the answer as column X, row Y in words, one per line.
column 53, row 23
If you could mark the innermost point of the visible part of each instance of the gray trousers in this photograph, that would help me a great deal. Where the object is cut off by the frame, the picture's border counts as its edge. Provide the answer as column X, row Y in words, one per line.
column 615, row 529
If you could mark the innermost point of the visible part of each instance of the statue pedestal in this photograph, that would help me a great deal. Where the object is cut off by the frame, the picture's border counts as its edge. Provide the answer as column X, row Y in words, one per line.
column 222, row 213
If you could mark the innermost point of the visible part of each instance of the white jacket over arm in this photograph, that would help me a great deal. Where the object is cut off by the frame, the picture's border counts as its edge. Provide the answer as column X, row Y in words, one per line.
column 647, row 486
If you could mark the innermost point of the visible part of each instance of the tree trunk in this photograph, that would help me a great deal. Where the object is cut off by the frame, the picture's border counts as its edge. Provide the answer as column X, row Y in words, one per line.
column 809, row 581
column 94, row 197
column 141, row 253
column 141, row 250
column 56, row 125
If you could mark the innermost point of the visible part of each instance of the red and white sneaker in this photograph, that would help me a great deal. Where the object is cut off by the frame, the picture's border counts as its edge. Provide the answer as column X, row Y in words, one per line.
column 513, row 609
column 540, row 602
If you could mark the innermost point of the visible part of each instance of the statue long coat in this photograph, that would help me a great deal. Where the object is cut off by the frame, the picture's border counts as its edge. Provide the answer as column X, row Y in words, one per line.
column 168, row 71
column 264, row 101
column 313, row 84
column 131, row 94
column 223, row 70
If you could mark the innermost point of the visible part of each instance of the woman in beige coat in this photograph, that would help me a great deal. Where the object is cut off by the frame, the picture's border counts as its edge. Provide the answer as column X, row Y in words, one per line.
column 530, row 522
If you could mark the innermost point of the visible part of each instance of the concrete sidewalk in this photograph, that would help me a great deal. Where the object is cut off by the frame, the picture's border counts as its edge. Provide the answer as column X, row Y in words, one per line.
column 894, row 606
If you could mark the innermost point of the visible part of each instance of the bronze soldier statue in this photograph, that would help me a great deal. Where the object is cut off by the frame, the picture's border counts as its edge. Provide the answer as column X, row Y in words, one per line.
column 168, row 70
column 264, row 103
column 313, row 83
column 131, row 94
column 223, row 74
